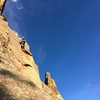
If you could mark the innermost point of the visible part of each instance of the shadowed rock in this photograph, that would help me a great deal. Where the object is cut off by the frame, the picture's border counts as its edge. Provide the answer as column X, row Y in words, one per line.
column 7, row 73
column 3, row 94
column 52, row 85
column 2, row 5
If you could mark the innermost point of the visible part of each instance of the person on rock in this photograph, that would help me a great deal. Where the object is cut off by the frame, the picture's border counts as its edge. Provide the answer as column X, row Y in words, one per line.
column 22, row 43
column 2, row 5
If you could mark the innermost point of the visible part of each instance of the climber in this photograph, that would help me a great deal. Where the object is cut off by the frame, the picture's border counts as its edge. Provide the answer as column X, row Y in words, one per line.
column 22, row 43
column 2, row 5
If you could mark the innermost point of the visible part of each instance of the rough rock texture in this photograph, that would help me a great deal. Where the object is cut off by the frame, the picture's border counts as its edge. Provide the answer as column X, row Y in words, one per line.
column 52, row 85
column 12, row 55
column 2, row 3
column 19, row 75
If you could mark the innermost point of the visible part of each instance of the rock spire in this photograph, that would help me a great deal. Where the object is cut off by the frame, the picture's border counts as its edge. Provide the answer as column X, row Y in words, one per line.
column 2, row 5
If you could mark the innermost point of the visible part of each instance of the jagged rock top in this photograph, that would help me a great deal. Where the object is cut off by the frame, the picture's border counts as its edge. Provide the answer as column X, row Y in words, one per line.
column 2, row 5
column 52, row 85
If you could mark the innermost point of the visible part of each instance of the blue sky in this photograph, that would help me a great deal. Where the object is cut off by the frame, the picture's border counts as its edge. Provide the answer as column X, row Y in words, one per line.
column 64, row 38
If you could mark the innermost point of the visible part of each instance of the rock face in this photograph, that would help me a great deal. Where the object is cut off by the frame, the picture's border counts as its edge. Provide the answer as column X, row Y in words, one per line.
column 52, row 85
column 2, row 3
column 19, row 75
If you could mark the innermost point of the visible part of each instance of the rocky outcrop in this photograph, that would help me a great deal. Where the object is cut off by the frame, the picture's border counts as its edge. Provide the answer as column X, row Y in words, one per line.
column 12, row 55
column 52, row 85
column 19, row 75
column 2, row 4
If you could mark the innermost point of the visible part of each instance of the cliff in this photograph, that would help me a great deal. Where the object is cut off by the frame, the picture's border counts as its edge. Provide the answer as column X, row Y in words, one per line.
column 19, row 75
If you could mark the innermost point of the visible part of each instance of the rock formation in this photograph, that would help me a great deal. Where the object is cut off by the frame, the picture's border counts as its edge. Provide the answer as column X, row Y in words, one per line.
column 2, row 5
column 52, row 85
column 19, row 75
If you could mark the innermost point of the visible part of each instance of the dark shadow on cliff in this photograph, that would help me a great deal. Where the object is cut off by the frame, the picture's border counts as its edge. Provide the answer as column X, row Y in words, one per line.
column 27, row 65
column 27, row 52
column 3, row 93
column 8, row 74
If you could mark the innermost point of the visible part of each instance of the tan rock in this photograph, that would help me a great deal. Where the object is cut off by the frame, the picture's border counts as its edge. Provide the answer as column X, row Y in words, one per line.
column 52, row 85
column 2, row 4
column 19, row 75
column 11, row 51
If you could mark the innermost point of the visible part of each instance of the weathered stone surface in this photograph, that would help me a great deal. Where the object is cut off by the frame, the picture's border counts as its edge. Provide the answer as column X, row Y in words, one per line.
column 11, row 54
column 52, row 85
column 2, row 3
column 19, row 75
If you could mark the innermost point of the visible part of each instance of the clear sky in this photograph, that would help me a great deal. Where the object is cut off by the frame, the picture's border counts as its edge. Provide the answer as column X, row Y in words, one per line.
column 64, row 38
